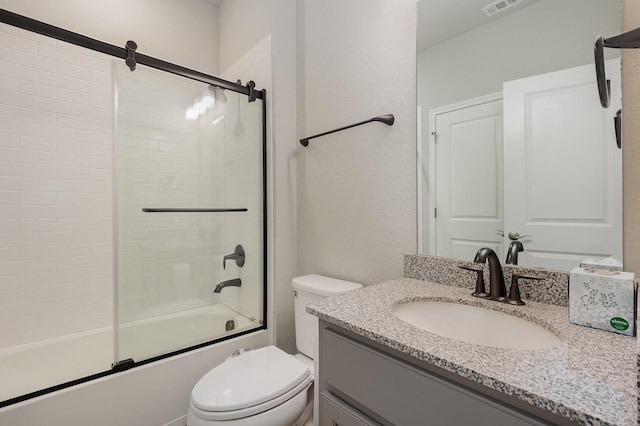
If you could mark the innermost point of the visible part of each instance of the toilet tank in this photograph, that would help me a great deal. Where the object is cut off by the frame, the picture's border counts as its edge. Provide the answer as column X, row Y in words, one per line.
column 307, row 289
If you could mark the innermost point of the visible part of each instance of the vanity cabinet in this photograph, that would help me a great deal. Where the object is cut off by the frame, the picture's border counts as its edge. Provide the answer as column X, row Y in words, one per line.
column 336, row 412
column 365, row 385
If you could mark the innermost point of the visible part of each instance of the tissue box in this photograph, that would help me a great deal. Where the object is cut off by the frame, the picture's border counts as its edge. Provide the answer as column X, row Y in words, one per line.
column 603, row 299
column 608, row 263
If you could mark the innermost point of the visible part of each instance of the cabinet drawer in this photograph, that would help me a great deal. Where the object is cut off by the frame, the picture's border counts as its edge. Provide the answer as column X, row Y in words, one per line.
column 402, row 394
column 336, row 413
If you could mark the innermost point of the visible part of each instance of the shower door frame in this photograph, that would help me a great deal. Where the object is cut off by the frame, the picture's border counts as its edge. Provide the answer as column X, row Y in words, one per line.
column 126, row 54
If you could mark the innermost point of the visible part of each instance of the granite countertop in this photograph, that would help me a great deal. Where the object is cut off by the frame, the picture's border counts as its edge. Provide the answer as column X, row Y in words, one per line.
column 590, row 378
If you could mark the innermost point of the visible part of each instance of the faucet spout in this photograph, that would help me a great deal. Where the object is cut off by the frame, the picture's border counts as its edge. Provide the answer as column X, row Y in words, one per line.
column 512, row 253
column 497, row 288
column 229, row 283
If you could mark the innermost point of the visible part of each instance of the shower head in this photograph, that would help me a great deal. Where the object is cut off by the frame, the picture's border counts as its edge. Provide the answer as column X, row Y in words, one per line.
column 218, row 93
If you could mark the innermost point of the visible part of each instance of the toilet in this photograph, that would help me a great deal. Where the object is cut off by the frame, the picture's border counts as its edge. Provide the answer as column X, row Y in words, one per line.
column 267, row 386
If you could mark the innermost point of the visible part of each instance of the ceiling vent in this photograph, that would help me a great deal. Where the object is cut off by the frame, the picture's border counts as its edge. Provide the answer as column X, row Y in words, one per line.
column 499, row 6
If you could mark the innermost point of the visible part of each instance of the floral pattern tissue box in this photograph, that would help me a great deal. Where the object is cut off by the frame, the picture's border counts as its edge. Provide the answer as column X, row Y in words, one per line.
column 603, row 299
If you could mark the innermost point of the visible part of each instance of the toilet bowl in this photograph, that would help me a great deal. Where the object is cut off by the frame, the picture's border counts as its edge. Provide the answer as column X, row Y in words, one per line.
column 267, row 386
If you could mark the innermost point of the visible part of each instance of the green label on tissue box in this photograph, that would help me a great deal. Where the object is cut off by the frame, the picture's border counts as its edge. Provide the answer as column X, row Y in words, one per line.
column 619, row 323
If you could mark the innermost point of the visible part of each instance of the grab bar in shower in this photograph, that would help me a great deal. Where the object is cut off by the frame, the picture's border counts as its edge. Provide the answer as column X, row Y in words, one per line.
column 387, row 119
column 190, row 210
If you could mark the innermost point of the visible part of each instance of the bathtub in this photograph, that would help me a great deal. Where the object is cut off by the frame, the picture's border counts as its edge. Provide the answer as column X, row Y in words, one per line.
column 36, row 366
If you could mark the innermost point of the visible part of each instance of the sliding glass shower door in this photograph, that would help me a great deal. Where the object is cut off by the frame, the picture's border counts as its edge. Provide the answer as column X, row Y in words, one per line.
column 189, row 183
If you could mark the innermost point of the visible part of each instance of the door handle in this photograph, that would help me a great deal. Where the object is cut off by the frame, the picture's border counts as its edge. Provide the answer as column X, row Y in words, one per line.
column 515, row 236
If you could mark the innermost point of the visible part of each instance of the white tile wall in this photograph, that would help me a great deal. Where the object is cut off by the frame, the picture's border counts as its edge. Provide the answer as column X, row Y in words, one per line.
column 55, row 189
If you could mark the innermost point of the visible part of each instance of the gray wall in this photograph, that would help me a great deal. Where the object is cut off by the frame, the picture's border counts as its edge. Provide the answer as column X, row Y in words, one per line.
column 357, row 188
column 547, row 36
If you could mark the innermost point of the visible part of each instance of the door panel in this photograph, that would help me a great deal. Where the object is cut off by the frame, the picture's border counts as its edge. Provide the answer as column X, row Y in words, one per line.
column 562, row 167
column 469, row 180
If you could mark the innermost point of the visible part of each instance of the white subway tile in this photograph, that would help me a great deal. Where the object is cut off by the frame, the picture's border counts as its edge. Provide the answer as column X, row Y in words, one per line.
column 92, row 112
column 37, row 170
column 37, row 197
column 101, row 126
column 10, row 83
column 37, row 116
column 10, row 212
column 54, row 132
column 84, row 59
column 95, row 162
column 159, row 157
column 9, row 55
column 16, row 99
column 72, row 198
column 105, row 102
column 56, row 185
column 105, row 175
column 135, row 131
column 19, row 72
column 37, row 225
column 133, row 154
column 91, row 137
column 18, row 155
column 8, row 29
column 170, row 147
column 54, row 105
column 39, row 38
column 37, row 143
column 55, row 53
column 100, row 77
column 18, row 43
column 72, row 173
column 75, row 71
column 38, row 62
column 91, row 186
column 73, row 96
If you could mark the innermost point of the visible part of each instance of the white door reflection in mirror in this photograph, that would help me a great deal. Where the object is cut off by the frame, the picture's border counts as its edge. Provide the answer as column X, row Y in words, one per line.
column 562, row 167
column 468, row 177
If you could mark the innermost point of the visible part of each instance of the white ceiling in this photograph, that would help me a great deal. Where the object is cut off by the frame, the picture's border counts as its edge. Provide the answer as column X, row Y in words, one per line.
column 441, row 20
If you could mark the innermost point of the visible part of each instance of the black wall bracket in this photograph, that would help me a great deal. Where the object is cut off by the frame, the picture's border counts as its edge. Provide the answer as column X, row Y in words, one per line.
column 131, row 47
column 628, row 40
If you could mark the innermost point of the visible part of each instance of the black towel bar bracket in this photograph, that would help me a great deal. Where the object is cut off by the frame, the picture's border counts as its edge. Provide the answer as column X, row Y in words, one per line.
column 387, row 119
column 627, row 40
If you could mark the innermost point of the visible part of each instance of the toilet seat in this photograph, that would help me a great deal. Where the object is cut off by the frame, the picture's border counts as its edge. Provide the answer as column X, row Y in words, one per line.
column 249, row 384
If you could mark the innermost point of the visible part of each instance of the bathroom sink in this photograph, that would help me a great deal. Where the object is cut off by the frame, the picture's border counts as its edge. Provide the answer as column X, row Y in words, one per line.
column 476, row 325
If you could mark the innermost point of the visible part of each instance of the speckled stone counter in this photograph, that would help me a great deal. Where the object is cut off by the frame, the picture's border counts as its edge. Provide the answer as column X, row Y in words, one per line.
column 590, row 378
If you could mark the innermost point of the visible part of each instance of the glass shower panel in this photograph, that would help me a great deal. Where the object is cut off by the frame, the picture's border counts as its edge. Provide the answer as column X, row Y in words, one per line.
column 189, row 185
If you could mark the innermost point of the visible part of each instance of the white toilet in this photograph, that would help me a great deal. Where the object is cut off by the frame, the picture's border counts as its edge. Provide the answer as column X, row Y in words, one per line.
column 267, row 386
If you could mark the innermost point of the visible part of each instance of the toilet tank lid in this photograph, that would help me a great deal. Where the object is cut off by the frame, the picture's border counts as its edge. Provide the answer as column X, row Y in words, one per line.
column 323, row 286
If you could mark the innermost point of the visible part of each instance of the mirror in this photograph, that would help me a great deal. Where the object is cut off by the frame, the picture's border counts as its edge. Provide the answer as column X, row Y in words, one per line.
column 512, row 140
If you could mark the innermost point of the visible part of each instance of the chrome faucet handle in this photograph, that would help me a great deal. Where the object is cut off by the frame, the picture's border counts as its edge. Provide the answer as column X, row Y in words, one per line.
column 514, row 291
column 480, row 290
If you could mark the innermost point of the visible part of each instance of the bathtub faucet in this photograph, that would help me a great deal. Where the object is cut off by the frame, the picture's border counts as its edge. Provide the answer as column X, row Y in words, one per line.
column 229, row 283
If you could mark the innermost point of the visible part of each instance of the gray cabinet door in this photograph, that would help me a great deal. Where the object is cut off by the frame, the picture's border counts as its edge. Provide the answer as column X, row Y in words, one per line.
column 401, row 394
column 337, row 413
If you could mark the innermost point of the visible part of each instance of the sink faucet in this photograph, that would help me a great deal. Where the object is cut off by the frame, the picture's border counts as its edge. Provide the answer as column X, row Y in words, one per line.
column 229, row 283
column 497, row 289
column 512, row 253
